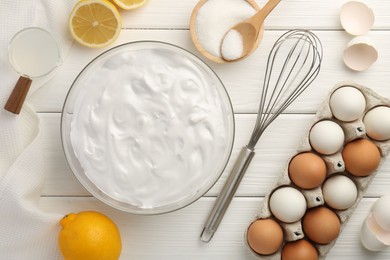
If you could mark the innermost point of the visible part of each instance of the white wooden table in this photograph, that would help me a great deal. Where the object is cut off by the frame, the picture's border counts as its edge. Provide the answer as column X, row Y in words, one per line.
column 176, row 235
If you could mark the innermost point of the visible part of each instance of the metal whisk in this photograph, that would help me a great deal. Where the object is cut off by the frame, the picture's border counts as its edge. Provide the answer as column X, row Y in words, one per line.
column 293, row 63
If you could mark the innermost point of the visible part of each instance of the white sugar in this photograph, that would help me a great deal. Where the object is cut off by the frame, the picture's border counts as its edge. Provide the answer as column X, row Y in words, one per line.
column 215, row 18
column 232, row 46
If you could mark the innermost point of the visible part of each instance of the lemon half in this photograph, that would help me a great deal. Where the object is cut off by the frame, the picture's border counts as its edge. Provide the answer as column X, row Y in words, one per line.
column 129, row 4
column 95, row 23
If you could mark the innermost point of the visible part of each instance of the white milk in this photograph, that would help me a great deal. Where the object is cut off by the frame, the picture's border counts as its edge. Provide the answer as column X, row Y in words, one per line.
column 33, row 52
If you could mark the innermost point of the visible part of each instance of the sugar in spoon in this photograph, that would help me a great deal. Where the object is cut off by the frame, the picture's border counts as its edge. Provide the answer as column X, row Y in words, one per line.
column 245, row 34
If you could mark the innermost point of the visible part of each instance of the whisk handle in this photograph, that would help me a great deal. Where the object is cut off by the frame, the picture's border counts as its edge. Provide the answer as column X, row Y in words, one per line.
column 227, row 193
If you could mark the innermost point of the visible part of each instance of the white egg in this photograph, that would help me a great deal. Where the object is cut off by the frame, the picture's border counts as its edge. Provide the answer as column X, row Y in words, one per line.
column 347, row 104
column 287, row 204
column 339, row 192
column 381, row 212
column 377, row 123
column 326, row 137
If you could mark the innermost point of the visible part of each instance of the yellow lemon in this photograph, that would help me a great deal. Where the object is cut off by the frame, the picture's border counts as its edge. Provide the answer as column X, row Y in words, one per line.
column 129, row 4
column 89, row 235
column 95, row 23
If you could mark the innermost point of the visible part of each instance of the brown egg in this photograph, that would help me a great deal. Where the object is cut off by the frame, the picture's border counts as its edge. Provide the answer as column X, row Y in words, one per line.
column 265, row 236
column 321, row 225
column 301, row 249
column 361, row 157
column 307, row 170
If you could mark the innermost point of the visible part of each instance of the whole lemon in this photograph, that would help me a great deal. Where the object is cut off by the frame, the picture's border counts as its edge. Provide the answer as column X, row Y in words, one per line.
column 89, row 235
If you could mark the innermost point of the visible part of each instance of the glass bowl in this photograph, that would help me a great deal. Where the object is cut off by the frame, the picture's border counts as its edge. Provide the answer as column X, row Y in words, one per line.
column 148, row 176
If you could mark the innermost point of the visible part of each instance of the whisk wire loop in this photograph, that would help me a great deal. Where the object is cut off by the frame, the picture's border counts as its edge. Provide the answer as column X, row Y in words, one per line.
column 285, row 80
column 294, row 62
column 274, row 99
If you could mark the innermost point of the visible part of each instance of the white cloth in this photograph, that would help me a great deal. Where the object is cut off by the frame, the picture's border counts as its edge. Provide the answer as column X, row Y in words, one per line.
column 26, row 232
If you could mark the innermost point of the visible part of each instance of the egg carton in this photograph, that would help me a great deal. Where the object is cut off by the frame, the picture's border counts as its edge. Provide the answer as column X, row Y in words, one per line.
column 335, row 164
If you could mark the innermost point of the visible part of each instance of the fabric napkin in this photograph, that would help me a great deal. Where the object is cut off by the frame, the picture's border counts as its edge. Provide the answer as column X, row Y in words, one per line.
column 26, row 232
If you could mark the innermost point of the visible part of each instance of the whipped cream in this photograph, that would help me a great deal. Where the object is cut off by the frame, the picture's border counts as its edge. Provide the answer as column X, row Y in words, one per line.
column 152, row 129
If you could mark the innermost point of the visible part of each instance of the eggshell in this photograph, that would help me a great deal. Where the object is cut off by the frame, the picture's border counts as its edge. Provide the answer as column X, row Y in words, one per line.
column 339, row 192
column 356, row 18
column 361, row 157
column 265, row 236
column 377, row 123
column 326, row 137
column 307, row 170
column 347, row 104
column 321, row 225
column 373, row 237
column 381, row 212
column 360, row 54
column 287, row 204
column 301, row 249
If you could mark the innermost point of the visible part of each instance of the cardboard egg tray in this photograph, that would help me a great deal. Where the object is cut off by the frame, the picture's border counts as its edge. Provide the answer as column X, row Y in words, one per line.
column 335, row 164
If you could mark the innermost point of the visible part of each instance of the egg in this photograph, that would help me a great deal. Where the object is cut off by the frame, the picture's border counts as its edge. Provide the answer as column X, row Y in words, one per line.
column 347, row 104
column 326, row 137
column 361, row 157
column 321, row 225
column 265, row 236
column 377, row 123
column 300, row 249
column 340, row 192
column 287, row 204
column 381, row 211
column 307, row 170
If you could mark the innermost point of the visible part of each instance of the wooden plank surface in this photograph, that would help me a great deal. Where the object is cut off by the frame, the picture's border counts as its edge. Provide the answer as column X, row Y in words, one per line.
column 176, row 235
column 243, row 80
column 289, row 14
column 273, row 152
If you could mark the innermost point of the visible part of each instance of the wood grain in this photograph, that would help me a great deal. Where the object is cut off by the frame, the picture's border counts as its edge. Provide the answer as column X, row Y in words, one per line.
column 243, row 80
column 18, row 95
column 176, row 235
column 290, row 14
column 273, row 152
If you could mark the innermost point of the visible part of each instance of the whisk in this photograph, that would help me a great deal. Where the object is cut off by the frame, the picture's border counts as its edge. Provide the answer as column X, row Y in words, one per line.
column 293, row 64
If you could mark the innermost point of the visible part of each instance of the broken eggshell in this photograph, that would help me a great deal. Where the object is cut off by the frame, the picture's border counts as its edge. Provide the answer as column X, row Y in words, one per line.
column 381, row 212
column 360, row 54
column 373, row 237
column 375, row 232
column 356, row 18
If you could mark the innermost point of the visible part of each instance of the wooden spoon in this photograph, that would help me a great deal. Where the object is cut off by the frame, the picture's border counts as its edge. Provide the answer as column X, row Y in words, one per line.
column 250, row 28
column 194, row 37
